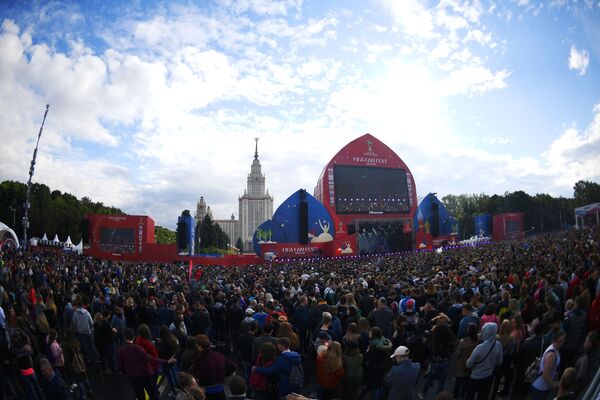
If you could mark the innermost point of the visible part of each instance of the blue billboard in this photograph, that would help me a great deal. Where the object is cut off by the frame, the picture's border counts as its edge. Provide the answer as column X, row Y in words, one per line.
column 186, row 228
column 483, row 225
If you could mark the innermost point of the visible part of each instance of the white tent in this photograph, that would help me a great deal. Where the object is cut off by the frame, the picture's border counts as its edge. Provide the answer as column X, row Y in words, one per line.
column 68, row 241
column 78, row 248
column 55, row 240
column 7, row 233
column 45, row 237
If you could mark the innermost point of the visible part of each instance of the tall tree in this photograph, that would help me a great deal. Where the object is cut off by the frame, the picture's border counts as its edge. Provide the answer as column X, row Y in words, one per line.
column 211, row 234
column 239, row 244
column 586, row 192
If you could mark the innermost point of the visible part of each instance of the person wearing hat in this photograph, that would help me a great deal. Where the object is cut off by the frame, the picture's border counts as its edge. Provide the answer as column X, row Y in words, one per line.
column 402, row 377
column 248, row 320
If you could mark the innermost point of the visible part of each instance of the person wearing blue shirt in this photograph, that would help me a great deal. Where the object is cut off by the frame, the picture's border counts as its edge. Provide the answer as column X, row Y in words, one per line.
column 469, row 317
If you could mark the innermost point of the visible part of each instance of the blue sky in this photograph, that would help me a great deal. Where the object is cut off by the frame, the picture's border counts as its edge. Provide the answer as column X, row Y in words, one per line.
column 154, row 104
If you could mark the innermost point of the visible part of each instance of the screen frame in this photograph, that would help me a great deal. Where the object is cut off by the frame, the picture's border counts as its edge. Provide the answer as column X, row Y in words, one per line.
column 406, row 209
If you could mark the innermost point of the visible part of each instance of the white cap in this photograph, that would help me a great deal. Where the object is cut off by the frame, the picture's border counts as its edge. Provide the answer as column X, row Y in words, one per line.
column 249, row 311
column 400, row 351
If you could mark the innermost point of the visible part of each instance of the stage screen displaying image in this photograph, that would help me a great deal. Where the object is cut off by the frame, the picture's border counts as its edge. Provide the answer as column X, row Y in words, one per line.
column 121, row 240
column 370, row 190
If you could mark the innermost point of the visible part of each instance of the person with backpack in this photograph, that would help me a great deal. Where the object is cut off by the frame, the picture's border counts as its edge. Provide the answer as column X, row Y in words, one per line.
column 484, row 360
column 287, row 366
column 547, row 372
column 352, row 361
column 76, row 369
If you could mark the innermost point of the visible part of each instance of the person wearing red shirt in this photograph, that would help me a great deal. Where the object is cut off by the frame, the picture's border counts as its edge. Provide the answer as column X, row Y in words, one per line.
column 144, row 340
column 330, row 371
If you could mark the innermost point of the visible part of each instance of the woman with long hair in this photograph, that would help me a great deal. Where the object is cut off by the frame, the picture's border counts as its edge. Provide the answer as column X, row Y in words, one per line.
column 463, row 352
column 351, row 335
column 518, row 331
column 443, row 343
column 508, row 351
column 364, row 329
column 265, row 386
column 330, row 371
column 144, row 340
column 76, row 369
column 287, row 330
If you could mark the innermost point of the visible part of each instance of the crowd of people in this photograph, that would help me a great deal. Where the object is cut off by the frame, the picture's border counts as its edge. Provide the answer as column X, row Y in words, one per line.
column 514, row 319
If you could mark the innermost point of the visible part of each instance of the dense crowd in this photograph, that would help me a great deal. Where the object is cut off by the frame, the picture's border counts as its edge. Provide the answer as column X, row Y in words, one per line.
column 516, row 319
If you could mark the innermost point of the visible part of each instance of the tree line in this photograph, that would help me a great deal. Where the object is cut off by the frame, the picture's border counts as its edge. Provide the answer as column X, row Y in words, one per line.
column 54, row 212
column 51, row 211
column 542, row 212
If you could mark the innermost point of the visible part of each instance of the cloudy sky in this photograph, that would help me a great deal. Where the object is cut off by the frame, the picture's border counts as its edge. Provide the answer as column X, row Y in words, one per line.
column 154, row 104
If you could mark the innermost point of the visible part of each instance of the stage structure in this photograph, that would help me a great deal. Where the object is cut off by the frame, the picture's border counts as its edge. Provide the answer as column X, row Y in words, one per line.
column 130, row 238
column 483, row 225
column 186, row 229
column 587, row 216
column 508, row 226
column 433, row 226
column 8, row 237
column 301, row 227
column 370, row 192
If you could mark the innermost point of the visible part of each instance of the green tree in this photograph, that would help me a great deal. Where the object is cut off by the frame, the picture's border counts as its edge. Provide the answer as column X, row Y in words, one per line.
column 51, row 212
column 586, row 192
column 239, row 244
column 211, row 235
column 164, row 235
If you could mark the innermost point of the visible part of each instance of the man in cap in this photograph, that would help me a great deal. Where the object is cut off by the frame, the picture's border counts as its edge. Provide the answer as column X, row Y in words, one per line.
column 402, row 377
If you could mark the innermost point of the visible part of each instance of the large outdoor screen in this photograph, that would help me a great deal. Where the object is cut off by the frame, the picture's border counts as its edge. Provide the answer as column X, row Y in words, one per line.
column 370, row 190
column 120, row 240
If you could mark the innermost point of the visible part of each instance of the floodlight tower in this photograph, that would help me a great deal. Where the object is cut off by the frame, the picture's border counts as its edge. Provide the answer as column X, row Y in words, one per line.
column 31, row 170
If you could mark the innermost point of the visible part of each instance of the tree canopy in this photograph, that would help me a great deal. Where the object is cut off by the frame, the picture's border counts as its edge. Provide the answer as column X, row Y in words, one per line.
column 542, row 212
column 211, row 234
column 51, row 212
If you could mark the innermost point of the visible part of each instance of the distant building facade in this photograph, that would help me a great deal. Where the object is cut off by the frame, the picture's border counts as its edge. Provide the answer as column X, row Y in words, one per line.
column 256, row 204
column 255, row 207
column 231, row 227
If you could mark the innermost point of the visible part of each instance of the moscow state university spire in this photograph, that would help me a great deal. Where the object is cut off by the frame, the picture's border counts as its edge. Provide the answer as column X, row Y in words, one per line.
column 256, row 204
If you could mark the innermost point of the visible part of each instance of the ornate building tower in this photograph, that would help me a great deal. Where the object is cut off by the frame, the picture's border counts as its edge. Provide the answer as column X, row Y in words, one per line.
column 256, row 204
column 202, row 210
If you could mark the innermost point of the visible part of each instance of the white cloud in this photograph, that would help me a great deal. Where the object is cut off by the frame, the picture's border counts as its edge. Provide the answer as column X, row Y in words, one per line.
column 166, row 108
column 574, row 155
column 473, row 79
column 501, row 140
column 579, row 60
column 414, row 19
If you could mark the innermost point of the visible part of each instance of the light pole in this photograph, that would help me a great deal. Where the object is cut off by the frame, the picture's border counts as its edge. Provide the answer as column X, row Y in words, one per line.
column 31, row 170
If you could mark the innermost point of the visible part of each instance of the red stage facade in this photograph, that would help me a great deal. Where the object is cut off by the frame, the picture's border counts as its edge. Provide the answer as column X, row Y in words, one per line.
column 130, row 238
column 508, row 226
column 367, row 182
